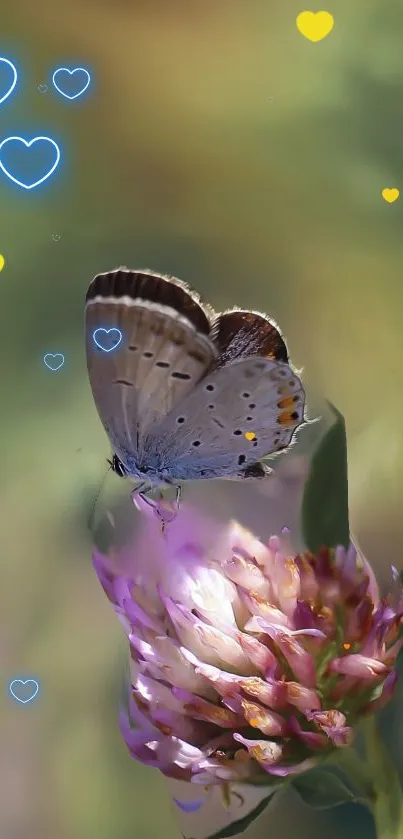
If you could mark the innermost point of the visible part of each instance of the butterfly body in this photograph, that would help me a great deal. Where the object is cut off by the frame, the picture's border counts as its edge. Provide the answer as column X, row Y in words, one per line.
column 187, row 393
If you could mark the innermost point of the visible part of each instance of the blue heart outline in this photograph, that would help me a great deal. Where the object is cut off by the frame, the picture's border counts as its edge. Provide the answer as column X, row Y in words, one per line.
column 23, row 682
column 28, row 144
column 71, row 73
column 107, row 331
column 13, row 83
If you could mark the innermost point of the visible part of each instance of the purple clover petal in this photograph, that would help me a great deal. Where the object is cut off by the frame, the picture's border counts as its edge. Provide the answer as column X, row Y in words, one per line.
column 190, row 806
column 387, row 691
column 284, row 770
column 333, row 725
column 300, row 661
column 359, row 666
column 311, row 738
column 304, row 699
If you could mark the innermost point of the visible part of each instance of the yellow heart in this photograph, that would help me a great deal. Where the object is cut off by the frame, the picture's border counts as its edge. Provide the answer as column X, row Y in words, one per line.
column 315, row 25
column 390, row 195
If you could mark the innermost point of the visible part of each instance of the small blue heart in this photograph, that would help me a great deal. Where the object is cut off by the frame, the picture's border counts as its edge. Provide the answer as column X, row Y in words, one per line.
column 17, row 153
column 10, row 85
column 107, row 341
column 24, row 690
column 67, row 82
column 54, row 361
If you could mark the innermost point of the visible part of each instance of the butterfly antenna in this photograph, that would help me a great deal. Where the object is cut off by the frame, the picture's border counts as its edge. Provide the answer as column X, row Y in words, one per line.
column 91, row 517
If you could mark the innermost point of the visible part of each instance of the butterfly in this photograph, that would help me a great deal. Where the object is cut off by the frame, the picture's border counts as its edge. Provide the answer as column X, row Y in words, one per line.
column 185, row 393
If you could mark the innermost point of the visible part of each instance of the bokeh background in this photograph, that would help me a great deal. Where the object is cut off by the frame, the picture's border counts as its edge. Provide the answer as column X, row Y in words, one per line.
column 217, row 144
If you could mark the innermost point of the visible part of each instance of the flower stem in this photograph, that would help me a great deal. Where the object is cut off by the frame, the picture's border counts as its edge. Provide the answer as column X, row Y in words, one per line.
column 386, row 801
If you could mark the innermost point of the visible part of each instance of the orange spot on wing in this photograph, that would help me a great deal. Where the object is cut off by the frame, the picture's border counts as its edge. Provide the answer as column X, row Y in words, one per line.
column 250, row 435
column 288, row 402
column 287, row 418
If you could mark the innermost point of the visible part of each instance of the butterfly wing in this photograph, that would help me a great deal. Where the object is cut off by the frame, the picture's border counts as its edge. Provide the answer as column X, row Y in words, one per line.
column 163, row 352
column 235, row 416
column 240, row 333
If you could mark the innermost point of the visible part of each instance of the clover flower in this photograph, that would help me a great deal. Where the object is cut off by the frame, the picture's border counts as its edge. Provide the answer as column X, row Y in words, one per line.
column 249, row 662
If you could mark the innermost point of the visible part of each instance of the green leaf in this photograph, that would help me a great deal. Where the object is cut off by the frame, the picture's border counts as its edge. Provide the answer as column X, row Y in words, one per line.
column 325, row 501
column 237, row 827
column 321, row 789
column 355, row 769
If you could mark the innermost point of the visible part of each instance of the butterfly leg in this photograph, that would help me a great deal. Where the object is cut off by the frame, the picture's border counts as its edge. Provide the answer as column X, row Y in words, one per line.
column 140, row 492
column 169, row 512
column 178, row 489
column 154, row 504
column 164, row 509
column 172, row 507
column 149, row 501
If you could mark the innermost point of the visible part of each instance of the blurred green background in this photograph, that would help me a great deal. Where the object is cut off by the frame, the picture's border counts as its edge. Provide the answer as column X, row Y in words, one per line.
column 219, row 145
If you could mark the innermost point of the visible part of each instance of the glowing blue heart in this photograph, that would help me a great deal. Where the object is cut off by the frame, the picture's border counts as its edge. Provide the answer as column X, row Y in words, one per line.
column 63, row 82
column 54, row 361
column 10, row 66
column 24, row 690
column 10, row 144
column 106, row 341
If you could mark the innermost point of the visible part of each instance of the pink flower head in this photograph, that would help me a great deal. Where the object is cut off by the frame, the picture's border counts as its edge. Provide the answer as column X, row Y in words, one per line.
column 248, row 661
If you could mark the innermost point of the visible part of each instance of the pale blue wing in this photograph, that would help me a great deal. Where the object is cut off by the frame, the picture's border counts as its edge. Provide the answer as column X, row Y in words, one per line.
column 203, row 436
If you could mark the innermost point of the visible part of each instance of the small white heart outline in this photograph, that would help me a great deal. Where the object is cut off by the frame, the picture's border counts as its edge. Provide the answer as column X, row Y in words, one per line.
column 53, row 355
